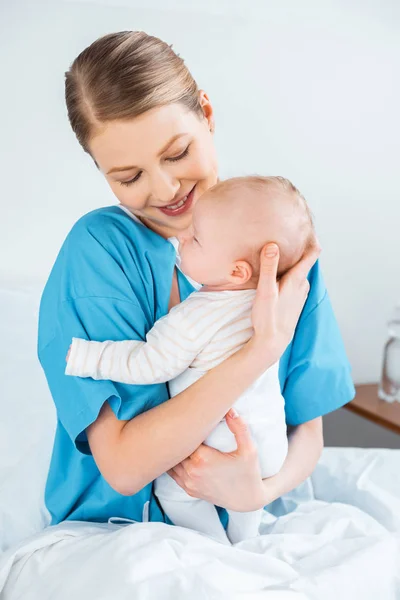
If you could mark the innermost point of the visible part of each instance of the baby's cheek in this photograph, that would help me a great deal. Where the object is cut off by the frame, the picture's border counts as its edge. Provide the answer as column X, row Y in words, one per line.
column 184, row 258
column 190, row 264
column 203, row 270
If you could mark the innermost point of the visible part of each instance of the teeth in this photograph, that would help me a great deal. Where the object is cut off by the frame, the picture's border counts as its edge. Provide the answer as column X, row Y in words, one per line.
column 178, row 205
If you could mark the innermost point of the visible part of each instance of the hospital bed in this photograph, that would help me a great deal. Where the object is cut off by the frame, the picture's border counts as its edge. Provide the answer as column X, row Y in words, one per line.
column 335, row 537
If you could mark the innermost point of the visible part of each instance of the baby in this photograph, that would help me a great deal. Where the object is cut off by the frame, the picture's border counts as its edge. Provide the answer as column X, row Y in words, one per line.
column 231, row 223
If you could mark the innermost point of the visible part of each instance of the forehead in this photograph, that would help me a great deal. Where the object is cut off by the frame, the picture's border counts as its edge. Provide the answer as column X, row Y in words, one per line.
column 219, row 213
column 124, row 142
column 209, row 215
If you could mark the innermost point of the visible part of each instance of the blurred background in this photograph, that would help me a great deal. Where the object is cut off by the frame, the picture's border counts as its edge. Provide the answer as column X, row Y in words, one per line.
column 308, row 90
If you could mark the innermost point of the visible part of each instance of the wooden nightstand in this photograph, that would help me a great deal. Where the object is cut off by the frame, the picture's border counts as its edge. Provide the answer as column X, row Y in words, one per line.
column 368, row 405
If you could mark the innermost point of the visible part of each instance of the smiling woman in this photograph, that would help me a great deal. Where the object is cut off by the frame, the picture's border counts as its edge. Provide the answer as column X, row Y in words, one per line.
column 137, row 110
column 159, row 186
column 148, row 129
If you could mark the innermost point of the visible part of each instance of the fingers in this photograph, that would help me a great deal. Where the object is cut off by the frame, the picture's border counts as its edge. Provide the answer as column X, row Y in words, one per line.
column 269, row 260
column 178, row 470
column 241, row 432
column 189, row 467
column 177, row 473
column 177, row 478
column 184, row 477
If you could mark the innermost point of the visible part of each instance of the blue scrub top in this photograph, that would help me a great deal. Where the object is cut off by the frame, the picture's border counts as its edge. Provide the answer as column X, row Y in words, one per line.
column 111, row 281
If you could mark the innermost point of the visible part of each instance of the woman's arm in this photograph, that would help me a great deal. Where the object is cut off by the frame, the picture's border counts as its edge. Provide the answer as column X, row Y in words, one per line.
column 130, row 454
column 306, row 442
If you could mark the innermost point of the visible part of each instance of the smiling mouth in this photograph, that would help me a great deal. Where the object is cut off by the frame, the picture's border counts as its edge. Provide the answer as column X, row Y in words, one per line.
column 180, row 207
column 175, row 206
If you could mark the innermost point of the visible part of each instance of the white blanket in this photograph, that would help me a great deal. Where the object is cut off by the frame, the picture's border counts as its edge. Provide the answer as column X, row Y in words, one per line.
column 338, row 538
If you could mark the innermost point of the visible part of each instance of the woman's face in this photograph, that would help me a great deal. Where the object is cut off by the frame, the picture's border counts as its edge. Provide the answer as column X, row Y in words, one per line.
column 158, row 164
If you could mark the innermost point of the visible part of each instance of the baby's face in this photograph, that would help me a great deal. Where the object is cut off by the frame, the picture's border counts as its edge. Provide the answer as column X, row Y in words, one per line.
column 207, row 248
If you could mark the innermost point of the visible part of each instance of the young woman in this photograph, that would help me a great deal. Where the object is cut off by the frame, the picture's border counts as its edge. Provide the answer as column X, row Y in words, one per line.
column 138, row 112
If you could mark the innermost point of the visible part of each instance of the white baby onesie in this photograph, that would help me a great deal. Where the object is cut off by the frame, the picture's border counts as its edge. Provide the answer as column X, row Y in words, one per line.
column 194, row 337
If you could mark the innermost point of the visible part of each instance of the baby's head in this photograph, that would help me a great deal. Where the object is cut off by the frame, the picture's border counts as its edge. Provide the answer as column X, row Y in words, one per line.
column 233, row 220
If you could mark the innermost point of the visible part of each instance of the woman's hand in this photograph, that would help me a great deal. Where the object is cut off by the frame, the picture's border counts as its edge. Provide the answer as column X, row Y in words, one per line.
column 232, row 479
column 278, row 304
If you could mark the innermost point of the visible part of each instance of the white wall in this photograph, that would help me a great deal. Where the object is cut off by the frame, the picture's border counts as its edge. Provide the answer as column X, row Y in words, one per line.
column 309, row 90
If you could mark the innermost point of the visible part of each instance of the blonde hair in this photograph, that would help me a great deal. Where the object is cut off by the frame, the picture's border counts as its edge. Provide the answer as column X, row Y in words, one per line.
column 270, row 187
column 122, row 75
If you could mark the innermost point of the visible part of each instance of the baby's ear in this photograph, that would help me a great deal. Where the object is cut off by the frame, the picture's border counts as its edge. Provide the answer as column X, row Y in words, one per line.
column 241, row 272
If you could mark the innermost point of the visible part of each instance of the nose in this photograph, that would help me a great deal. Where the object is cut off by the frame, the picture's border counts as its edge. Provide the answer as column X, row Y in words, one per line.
column 164, row 188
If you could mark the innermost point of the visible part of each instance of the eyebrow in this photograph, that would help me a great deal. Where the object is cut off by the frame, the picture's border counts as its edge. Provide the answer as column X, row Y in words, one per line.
column 167, row 145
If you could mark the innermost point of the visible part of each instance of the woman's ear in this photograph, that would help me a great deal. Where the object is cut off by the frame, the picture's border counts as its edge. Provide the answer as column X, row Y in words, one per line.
column 241, row 272
column 207, row 109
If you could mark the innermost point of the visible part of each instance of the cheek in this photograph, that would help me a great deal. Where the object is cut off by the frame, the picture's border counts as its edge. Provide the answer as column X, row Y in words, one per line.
column 127, row 196
column 186, row 253
column 203, row 164
column 190, row 259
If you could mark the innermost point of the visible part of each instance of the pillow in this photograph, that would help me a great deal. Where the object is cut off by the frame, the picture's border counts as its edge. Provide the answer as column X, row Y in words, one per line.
column 27, row 422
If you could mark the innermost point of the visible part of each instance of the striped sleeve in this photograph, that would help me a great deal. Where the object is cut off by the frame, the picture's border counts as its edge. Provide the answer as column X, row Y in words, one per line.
column 166, row 353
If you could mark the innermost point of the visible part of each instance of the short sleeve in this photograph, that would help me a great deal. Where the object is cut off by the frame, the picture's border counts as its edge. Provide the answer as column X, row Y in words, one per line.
column 318, row 378
column 78, row 400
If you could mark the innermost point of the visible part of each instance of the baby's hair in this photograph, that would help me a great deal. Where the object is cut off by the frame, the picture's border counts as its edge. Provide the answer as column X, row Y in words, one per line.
column 269, row 186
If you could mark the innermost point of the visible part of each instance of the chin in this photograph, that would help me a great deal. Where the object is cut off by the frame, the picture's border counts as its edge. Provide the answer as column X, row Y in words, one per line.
column 175, row 223
column 181, row 224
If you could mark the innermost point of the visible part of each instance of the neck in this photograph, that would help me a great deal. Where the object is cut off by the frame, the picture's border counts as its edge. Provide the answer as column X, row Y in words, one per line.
column 165, row 232
column 226, row 286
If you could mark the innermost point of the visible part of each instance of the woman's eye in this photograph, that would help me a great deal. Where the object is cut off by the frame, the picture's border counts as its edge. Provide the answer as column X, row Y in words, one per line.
column 131, row 180
column 172, row 159
column 184, row 153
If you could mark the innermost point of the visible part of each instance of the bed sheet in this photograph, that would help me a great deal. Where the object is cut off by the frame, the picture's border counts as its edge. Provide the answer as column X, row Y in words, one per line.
column 336, row 536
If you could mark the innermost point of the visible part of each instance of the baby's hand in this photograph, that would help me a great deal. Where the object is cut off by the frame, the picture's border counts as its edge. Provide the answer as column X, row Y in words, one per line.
column 69, row 352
